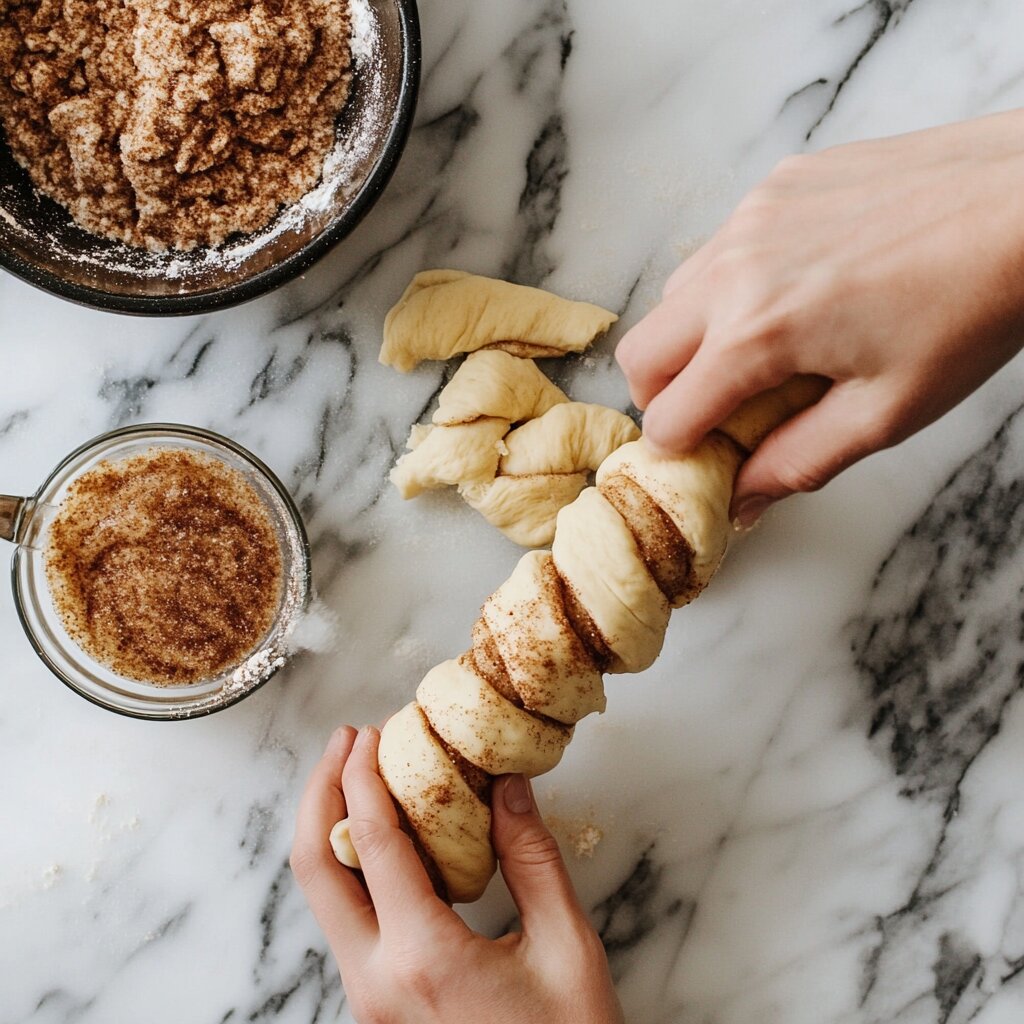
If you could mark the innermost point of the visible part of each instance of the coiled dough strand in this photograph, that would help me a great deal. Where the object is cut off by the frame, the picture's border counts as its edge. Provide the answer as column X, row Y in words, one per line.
column 646, row 538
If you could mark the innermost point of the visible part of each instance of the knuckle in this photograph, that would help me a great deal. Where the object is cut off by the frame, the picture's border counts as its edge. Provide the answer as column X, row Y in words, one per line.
column 368, row 1008
column 537, row 848
column 625, row 355
column 588, row 944
column 739, row 273
column 799, row 478
column 791, row 166
column 369, row 837
column 755, row 209
column 305, row 864
column 419, row 976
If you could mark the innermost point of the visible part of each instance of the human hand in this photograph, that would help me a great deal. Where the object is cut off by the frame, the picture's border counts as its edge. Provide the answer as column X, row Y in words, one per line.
column 404, row 955
column 894, row 267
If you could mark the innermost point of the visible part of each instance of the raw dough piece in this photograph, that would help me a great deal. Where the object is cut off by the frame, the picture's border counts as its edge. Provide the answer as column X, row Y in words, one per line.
column 517, row 479
column 757, row 417
column 487, row 394
column 341, row 844
column 485, row 727
column 572, row 438
column 493, row 383
column 545, row 466
column 597, row 557
column 694, row 490
column 464, row 453
column 445, row 312
column 452, row 823
column 547, row 664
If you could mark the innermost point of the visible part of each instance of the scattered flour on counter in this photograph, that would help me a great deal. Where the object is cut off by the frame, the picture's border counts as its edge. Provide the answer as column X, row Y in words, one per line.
column 581, row 833
column 51, row 876
column 317, row 629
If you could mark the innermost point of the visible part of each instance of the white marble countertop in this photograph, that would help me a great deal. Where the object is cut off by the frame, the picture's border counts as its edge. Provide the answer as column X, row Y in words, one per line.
column 811, row 806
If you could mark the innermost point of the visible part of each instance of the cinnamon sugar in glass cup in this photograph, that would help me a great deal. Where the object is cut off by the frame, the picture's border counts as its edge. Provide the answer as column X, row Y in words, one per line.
column 133, row 646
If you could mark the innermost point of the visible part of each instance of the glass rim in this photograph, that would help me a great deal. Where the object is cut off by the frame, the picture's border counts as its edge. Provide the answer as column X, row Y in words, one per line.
column 184, row 432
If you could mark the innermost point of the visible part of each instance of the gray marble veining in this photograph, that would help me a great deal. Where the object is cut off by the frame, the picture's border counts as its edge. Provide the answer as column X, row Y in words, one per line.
column 810, row 807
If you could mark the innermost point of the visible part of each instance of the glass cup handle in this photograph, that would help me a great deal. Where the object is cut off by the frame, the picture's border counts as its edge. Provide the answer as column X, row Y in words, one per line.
column 13, row 519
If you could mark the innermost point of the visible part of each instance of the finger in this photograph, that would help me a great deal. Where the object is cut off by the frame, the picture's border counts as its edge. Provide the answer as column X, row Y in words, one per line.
column 531, row 862
column 690, row 268
column 399, row 887
column 716, row 381
column 659, row 346
column 807, row 451
column 338, row 900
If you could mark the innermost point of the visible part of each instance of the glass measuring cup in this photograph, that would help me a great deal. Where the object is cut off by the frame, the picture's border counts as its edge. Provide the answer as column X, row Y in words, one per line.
column 24, row 521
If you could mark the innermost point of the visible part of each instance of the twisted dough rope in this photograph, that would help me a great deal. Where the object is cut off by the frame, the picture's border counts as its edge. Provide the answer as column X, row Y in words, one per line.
column 648, row 537
column 518, row 478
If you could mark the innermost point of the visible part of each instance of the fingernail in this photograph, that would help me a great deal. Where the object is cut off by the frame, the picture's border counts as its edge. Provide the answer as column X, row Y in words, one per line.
column 518, row 798
column 338, row 737
column 750, row 509
column 363, row 735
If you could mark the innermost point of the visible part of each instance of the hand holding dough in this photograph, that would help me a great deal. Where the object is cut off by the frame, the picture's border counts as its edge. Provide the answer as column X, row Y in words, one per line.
column 648, row 537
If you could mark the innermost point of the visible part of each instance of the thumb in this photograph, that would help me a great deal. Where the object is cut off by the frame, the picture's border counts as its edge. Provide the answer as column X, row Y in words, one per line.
column 531, row 862
column 807, row 451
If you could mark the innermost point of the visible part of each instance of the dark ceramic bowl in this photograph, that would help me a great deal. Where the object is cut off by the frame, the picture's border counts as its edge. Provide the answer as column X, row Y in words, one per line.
column 40, row 243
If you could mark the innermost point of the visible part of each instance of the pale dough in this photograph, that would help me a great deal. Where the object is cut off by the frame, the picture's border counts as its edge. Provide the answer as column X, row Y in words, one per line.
column 694, row 490
column 545, row 465
column 597, row 556
column 452, row 824
column 446, row 312
column 571, row 438
column 545, row 659
column 341, row 844
column 465, row 453
column 488, row 730
column 594, row 579
column 524, row 507
column 518, row 478
column 757, row 417
column 493, row 383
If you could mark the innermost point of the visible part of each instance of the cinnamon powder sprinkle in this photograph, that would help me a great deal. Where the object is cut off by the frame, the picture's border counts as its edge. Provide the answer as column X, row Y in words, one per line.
column 164, row 566
column 173, row 123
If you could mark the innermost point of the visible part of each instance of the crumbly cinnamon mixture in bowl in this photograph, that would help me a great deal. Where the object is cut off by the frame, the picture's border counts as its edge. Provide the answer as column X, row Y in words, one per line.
column 174, row 156
column 173, row 123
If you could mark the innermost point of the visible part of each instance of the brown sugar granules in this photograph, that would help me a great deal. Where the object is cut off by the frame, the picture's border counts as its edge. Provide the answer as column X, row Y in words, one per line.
column 173, row 123
column 164, row 566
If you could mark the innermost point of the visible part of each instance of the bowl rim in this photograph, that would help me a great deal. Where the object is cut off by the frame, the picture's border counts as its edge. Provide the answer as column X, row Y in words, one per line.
column 295, row 264
column 174, row 431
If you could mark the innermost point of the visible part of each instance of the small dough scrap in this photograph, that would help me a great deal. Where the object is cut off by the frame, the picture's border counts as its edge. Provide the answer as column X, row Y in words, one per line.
column 451, row 823
column 757, row 417
column 445, row 312
column 694, row 490
column 524, row 507
column 341, row 844
column 571, row 438
column 545, row 467
column 446, row 456
column 488, row 730
column 493, row 383
column 597, row 556
column 546, row 662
